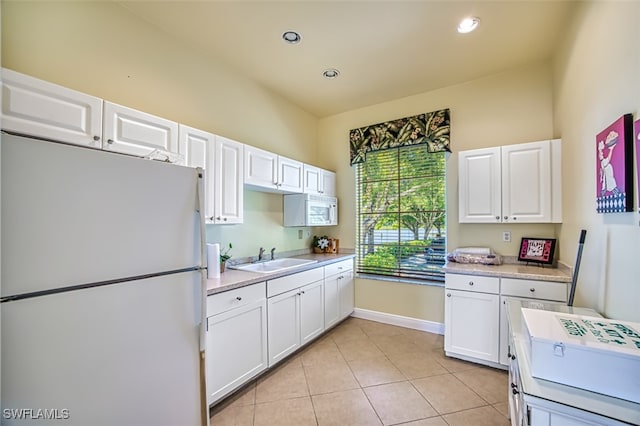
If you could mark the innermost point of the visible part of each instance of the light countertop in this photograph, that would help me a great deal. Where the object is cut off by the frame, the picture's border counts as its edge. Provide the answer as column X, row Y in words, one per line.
column 233, row 278
column 512, row 270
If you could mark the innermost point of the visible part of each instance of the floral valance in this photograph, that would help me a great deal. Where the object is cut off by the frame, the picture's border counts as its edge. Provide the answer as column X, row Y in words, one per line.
column 430, row 128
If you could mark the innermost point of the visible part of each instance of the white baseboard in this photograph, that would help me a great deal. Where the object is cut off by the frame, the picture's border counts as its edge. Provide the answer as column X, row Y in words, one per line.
column 399, row 320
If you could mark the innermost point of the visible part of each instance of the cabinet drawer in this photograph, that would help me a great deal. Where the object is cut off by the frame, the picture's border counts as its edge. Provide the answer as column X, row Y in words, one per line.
column 227, row 300
column 338, row 267
column 280, row 285
column 472, row 283
column 547, row 290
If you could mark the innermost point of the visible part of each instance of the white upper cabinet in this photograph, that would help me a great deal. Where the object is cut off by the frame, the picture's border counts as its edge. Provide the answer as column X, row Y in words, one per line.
column 229, row 172
column 197, row 148
column 38, row 108
column 135, row 132
column 289, row 175
column 318, row 181
column 222, row 160
column 511, row 184
column 266, row 171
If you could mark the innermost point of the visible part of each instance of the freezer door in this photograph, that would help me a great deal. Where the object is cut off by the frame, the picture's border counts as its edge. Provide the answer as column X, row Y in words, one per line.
column 74, row 215
column 124, row 354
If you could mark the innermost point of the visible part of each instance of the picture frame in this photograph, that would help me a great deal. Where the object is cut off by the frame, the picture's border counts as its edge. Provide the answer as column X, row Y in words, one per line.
column 537, row 250
column 614, row 167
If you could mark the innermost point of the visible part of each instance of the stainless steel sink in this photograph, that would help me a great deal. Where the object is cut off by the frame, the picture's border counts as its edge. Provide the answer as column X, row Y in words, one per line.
column 272, row 266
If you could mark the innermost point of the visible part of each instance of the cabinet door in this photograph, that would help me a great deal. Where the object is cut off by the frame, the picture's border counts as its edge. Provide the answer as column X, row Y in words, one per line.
column 137, row 133
column 479, row 186
column 229, row 173
column 260, row 168
column 236, row 348
column 331, row 300
column 312, row 179
column 346, row 294
column 289, row 175
column 472, row 324
column 311, row 311
column 526, row 182
column 197, row 149
column 38, row 108
column 328, row 183
column 283, row 325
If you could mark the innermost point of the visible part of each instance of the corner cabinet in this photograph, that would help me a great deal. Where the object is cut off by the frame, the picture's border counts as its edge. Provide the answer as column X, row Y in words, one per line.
column 318, row 181
column 511, row 184
column 222, row 161
column 338, row 292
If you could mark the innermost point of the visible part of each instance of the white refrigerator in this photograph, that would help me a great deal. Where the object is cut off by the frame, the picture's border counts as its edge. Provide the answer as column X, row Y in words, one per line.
column 102, row 288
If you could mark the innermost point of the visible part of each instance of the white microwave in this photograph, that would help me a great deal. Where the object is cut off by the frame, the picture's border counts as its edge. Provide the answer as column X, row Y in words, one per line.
column 310, row 210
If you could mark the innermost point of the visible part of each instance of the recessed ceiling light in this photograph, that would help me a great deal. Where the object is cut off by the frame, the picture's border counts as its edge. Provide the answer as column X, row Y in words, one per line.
column 468, row 24
column 331, row 73
column 291, row 37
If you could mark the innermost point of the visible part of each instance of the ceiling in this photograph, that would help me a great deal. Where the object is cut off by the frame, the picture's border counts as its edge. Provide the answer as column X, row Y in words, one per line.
column 384, row 50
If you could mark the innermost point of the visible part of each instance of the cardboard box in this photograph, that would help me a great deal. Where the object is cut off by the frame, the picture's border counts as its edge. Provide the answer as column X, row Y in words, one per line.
column 597, row 354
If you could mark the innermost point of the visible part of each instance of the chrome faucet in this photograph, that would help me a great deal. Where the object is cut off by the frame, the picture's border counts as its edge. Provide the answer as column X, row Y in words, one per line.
column 273, row 253
column 260, row 254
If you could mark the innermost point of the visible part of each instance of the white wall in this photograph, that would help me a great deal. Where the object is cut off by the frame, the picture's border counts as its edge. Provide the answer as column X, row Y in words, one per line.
column 596, row 80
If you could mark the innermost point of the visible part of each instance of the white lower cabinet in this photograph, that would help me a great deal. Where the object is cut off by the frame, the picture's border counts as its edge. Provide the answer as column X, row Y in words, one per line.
column 471, row 324
column 295, row 312
column 475, row 318
column 236, row 339
column 528, row 291
column 338, row 292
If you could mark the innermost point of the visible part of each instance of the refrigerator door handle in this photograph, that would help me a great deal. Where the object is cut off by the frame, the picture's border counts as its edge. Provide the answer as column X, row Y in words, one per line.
column 203, row 296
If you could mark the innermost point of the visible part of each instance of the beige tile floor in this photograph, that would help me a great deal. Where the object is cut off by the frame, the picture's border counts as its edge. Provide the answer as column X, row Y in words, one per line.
column 368, row 373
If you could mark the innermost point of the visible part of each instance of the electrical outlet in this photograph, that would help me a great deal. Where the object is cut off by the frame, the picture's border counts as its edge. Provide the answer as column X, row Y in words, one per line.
column 308, row 233
column 299, row 234
column 506, row 236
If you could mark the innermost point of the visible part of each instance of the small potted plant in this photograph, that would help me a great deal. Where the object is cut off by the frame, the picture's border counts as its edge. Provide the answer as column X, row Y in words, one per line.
column 320, row 244
column 224, row 256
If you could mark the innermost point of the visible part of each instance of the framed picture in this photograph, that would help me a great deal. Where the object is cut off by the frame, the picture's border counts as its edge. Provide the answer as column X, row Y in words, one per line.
column 614, row 167
column 537, row 250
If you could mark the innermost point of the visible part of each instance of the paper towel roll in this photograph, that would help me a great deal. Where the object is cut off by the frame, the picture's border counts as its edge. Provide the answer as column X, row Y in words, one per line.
column 213, row 260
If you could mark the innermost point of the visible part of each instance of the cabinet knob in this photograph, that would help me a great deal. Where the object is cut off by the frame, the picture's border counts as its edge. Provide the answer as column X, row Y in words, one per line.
column 96, row 138
column 513, row 356
column 448, row 294
column 225, row 219
column 515, row 391
column 238, row 298
column 532, row 290
column 302, row 292
column 471, row 283
column 110, row 141
column 217, row 218
column 211, row 218
column 506, row 217
column 497, row 217
column 514, row 218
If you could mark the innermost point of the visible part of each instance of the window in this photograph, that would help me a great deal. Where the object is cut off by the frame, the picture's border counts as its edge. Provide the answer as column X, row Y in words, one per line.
column 401, row 223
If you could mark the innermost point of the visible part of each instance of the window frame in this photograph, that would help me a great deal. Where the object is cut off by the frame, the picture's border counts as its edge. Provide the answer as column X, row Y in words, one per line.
column 414, row 262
